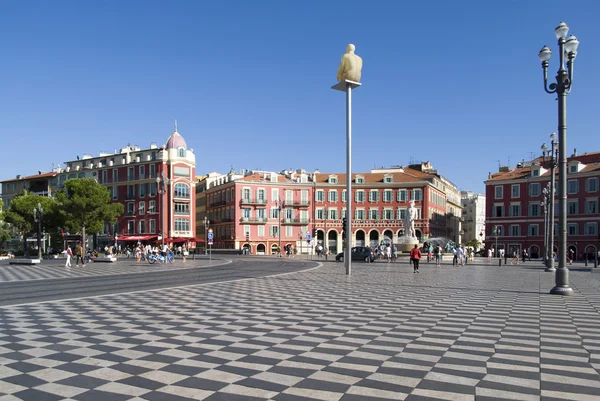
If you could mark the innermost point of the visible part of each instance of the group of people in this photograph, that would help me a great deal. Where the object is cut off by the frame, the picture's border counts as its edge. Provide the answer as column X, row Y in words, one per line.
column 77, row 254
column 140, row 252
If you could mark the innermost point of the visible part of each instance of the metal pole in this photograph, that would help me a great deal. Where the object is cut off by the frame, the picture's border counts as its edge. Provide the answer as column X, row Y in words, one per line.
column 279, row 229
column 39, row 233
column 545, row 206
column 562, row 273
column 325, row 236
column 550, row 264
column 348, row 259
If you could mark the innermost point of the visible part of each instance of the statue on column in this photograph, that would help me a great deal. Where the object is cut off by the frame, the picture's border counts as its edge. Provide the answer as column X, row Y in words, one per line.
column 350, row 67
column 409, row 220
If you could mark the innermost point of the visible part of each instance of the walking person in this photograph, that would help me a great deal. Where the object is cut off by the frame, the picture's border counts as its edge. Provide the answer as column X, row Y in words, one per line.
column 184, row 253
column 79, row 255
column 68, row 253
column 415, row 256
column 438, row 256
column 388, row 253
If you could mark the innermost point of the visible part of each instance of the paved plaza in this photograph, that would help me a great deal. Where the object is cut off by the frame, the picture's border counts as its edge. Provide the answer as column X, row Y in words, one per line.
column 477, row 332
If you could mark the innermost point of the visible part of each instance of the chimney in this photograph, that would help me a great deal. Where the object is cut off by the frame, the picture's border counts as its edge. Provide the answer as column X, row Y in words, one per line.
column 575, row 152
column 504, row 169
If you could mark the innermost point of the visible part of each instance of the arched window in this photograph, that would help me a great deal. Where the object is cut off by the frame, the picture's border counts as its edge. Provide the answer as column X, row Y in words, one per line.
column 181, row 152
column 81, row 175
column 182, row 224
column 182, row 191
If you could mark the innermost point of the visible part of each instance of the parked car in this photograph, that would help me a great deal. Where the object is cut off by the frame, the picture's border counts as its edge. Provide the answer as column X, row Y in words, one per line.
column 358, row 253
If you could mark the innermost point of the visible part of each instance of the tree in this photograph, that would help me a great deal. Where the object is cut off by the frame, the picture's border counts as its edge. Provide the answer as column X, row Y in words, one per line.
column 6, row 231
column 86, row 205
column 474, row 243
column 19, row 214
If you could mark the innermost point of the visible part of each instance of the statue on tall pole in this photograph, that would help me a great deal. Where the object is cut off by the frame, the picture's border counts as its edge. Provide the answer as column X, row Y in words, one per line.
column 350, row 67
column 409, row 220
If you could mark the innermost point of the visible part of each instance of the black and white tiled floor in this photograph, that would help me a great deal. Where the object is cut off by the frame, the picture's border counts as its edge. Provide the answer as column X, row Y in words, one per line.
column 56, row 268
column 385, row 333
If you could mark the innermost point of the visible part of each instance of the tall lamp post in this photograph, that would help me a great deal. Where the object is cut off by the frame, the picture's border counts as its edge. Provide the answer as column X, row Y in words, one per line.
column 562, row 87
column 551, row 192
column 279, row 226
column 544, row 205
column 116, row 242
column 37, row 217
column 162, row 191
column 496, row 233
column 206, row 223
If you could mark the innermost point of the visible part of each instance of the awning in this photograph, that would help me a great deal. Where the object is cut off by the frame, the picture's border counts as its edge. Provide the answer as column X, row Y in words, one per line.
column 136, row 237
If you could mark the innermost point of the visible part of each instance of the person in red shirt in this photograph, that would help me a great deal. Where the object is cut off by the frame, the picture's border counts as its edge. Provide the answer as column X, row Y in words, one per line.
column 415, row 256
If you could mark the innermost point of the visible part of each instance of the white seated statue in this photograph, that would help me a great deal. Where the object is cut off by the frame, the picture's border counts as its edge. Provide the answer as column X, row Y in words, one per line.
column 350, row 67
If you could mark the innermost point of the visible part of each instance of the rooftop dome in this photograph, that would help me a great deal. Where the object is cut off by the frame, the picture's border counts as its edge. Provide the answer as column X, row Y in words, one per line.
column 176, row 141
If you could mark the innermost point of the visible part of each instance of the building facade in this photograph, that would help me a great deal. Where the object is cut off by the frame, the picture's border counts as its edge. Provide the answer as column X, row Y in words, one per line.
column 514, row 200
column 473, row 216
column 156, row 185
column 261, row 210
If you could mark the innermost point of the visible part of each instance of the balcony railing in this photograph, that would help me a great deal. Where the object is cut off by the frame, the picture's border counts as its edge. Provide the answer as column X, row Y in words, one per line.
column 218, row 203
column 302, row 203
column 250, row 201
column 295, row 221
column 253, row 220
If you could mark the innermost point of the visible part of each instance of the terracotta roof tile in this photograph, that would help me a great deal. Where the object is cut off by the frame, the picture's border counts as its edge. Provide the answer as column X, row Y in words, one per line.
column 33, row 177
column 409, row 175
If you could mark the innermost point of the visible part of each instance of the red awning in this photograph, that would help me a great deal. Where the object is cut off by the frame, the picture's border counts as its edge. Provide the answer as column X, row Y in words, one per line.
column 136, row 237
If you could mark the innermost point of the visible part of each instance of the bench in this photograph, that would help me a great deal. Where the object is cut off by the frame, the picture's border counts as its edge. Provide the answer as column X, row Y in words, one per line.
column 105, row 259
column 24, row 261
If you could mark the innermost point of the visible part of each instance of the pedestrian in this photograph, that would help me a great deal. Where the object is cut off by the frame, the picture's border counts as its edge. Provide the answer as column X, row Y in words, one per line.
column 388, row 253
column 489, row 255
column 184, row 253
column 415, row 256
column 79, row 255
column 68, row 253
column 438, row 256
column 571, row 256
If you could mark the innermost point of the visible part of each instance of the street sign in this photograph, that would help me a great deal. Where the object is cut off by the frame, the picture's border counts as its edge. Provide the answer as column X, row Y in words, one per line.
column 210, row 236
column 210, row 241
column 210, row 231
column 308, row 241
column 308, row 236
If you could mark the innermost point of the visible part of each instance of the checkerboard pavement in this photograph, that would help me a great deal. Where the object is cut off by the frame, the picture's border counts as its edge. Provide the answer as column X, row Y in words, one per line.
column 56, row 268
column 384, row 333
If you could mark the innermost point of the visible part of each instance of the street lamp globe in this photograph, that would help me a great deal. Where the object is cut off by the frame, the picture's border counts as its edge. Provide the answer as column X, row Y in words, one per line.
column 545, row 54
column 561, row 31
column 571, row 46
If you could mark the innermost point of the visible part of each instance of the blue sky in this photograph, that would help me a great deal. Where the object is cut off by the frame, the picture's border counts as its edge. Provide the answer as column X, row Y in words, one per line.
column 457, row 83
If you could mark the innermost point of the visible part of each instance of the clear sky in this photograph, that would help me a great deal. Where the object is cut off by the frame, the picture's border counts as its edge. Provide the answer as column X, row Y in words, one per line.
column 457, row 83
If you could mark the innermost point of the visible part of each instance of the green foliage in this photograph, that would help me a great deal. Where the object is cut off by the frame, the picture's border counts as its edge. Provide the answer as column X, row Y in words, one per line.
column 20, row 216
column 474, row 243
column 6, row 231
column 86, row 205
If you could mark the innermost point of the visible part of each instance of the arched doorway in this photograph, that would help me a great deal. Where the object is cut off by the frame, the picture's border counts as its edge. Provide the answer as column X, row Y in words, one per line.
column 374, row 238
column 418, row 234
column 274, row 248
column 591, row 252
column 247, row 249
column 260, row 249
column 332, row 242
column 320, row 238
column 388, row 237
column 574, row 253
column 360, row 238
column 400, row 233
column 534, row 252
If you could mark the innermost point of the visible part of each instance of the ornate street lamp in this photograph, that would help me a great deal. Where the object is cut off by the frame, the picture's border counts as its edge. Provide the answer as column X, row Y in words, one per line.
column 496, row 233
column 206, row 224
column 279, row 204
column 165, row 186
column 38, row 212
column 550, row 204
column 562, row 87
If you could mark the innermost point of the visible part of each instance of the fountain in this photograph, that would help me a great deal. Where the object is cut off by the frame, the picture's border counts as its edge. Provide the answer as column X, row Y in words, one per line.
column 405, row 243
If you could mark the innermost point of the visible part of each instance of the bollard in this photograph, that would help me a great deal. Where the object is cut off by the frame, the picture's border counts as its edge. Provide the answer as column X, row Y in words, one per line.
column 595, row 263
column 499, row 261
column 585, row 262
column 194, row 257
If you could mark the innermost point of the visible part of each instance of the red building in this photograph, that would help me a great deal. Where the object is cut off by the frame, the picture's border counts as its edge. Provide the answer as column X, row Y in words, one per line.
column 513, row 205
column 255, row 209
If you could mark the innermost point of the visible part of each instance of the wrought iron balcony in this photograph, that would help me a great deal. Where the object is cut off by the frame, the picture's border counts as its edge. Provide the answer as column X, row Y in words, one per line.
column 300, row 222
column 253, row 220
column 250, row 201
column 302, row 203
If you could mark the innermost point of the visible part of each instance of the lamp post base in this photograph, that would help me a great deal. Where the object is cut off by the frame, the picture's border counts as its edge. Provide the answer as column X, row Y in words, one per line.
column 561, row 290
column 550, row 269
